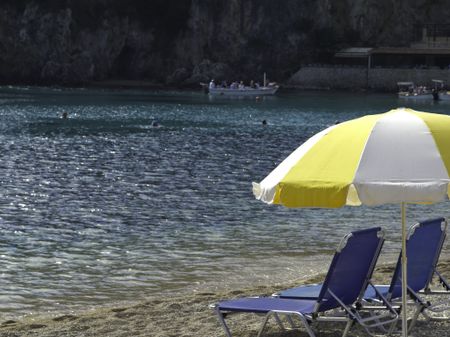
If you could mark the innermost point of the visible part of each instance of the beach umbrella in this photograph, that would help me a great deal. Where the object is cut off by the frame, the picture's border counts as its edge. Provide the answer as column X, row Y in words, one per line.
column 401, row 156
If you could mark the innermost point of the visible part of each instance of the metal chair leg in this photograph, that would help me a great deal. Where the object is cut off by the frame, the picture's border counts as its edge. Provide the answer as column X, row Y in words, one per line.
column 222, row 321
column 278, row 320
column 266, row 319
column 415, row 317
column 347, row 327
column 306, row 325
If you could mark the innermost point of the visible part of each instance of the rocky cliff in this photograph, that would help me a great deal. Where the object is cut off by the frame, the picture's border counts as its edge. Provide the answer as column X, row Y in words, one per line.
column 182, row 42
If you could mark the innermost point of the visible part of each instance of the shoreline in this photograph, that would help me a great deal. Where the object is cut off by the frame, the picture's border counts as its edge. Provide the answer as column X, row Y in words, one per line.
column 151, row 85
column 185, row 315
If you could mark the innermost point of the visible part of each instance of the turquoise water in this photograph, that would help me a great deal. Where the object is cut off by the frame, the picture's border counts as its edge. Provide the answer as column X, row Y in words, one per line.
column 103, row 207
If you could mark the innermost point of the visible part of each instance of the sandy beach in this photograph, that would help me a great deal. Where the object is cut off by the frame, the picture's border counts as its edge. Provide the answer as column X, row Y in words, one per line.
column 189, row 315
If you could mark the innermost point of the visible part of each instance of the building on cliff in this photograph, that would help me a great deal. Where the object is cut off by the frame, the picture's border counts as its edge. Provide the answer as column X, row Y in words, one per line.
column 380, row 68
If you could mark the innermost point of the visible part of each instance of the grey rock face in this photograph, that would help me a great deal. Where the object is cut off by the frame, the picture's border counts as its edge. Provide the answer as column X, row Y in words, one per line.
column 207, row 70
column 178, row 77
column 190, row 41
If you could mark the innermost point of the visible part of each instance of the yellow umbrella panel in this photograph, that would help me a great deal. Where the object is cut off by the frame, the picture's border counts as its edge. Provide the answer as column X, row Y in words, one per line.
column 398, row 156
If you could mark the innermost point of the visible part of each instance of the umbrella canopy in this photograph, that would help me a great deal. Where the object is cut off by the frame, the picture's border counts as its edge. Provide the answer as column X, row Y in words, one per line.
column 399, row 156
column 402, row 156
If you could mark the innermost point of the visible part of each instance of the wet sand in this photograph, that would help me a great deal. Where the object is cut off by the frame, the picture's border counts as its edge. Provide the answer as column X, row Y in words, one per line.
column 186, row 316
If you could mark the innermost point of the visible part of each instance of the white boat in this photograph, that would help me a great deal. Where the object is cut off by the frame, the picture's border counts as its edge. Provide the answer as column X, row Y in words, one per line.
column 245, row 91
column 241, row 90
column 409, row 91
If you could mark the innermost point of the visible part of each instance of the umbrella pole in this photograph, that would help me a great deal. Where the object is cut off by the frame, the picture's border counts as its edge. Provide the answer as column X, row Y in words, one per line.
column 404, row 274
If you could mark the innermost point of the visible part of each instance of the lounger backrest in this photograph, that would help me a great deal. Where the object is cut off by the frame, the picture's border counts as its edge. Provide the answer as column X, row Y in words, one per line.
column 351, row 268
column 423, row 247
column 436, row 260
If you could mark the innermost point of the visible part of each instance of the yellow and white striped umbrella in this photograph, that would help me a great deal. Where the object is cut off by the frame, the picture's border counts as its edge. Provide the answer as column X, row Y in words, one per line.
column 402, row 156
column 399, row 156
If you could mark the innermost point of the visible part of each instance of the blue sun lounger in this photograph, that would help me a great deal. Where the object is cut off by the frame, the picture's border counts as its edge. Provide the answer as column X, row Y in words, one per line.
column 443, row 305
column 423, row 246
column 344, row 285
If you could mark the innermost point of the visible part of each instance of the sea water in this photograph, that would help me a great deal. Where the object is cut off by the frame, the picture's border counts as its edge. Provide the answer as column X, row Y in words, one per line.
column 108, row 206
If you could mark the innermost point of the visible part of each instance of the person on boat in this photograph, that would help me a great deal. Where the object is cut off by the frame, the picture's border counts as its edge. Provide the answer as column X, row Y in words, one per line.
column 241, row 85
column 212, row 84
column 64, row 115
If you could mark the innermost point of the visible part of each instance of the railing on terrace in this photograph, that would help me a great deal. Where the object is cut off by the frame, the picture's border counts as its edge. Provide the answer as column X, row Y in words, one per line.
column 432, row 34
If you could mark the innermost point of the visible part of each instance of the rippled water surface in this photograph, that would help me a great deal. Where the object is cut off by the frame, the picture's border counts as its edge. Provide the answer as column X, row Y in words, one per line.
column 104, row 207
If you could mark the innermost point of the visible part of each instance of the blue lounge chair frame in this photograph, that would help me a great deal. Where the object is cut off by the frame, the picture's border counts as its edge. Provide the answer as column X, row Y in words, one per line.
column 344, row 285
column 441, row 306
column 424, row 244
column 430, row 309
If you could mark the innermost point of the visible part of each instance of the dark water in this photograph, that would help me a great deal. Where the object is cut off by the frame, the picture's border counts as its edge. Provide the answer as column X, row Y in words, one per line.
column 103, row 207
